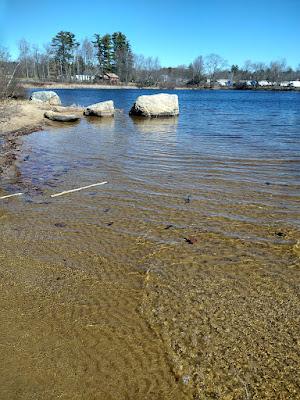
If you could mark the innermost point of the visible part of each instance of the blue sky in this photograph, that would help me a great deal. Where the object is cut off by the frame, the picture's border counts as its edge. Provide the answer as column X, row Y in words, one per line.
column 175, row 31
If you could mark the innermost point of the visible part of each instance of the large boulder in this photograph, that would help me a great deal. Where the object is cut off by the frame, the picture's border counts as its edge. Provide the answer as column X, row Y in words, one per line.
column 102, row 109
column 156, row 105
column 61, row 117
column 46, row 97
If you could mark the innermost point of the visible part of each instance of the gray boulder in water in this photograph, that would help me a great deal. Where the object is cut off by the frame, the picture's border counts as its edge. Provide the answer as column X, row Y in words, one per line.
column 61, row 117
column 102, row 109
column 46, row 97
column 156, row 105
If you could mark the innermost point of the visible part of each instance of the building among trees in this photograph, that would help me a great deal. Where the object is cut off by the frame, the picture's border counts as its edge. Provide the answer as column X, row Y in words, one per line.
column 107, row 77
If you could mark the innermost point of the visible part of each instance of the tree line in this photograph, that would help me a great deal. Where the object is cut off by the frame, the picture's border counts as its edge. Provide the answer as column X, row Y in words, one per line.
column 65, row 57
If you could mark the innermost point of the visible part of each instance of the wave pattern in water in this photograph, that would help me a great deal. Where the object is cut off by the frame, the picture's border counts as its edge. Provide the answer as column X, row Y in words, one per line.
column 175, row 271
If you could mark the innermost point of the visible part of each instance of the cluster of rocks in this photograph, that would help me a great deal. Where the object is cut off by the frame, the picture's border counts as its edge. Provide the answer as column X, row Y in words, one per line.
column 157, row 105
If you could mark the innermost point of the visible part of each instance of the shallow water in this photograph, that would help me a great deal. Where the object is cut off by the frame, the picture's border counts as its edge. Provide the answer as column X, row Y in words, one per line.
column 177, row 279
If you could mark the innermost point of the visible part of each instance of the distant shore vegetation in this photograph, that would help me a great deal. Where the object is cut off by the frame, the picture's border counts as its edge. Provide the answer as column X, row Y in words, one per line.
column 109, row 59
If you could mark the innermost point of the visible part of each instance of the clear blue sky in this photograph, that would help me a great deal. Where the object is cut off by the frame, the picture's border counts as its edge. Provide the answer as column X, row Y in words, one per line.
column 175, row 31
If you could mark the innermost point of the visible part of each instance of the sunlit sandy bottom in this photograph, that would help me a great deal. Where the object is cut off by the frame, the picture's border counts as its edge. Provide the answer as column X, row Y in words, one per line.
column 179, row 279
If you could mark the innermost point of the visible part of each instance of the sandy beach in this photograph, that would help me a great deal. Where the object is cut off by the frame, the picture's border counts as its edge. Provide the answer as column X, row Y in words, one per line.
column 68, row 85
column 20, row 117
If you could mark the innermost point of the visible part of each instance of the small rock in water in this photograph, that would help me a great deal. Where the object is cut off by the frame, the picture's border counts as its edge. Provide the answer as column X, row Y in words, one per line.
column 186, row 379
column 191, row 240
column 61, row 117
column 169, row 226
column 60, row 225
column 187, row 200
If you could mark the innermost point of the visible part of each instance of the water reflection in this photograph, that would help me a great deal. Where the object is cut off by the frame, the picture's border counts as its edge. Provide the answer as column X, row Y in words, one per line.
column 156, row 125
column 107, row 122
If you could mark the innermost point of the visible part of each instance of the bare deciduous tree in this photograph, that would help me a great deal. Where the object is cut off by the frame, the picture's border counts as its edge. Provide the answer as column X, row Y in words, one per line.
column 198, row 66
column 276, row 70
column 147, row 70
column 88, row 55
column 24, row 54
column 213, row 64
column 8, row 70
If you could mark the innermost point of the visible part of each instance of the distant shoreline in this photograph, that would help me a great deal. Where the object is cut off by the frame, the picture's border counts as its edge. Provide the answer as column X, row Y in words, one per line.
column 62, row 85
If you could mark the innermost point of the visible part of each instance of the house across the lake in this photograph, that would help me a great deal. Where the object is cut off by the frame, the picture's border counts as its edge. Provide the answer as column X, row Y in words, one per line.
column 224, row 82
column 107, row 77
column 295, row 84
column 265, row 83
column 84, row 78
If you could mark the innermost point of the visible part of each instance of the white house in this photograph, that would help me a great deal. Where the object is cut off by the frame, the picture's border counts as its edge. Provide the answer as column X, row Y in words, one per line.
column 295, row 84
column 223, row 82
column 285, row 84
column 83, row 78
column 264, row 83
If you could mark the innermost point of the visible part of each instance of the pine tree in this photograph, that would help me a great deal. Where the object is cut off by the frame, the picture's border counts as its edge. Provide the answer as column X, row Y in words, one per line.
column 122, row 56
column 64, row 44
column 107, row 52
column 99, row 51
column 104, row 51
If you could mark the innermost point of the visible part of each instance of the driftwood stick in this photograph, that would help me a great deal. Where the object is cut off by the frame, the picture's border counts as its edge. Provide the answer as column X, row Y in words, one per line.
column 78, row 189
column 11, row 195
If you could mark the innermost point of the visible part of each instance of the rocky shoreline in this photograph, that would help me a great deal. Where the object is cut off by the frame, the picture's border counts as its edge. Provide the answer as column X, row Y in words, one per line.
column 19, row 117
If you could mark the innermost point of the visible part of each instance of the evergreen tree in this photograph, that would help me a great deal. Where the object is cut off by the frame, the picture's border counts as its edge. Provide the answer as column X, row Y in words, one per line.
column 122, row 56
column 107, row 52
column 64, row 44
column 99, row 51
column 104, row 52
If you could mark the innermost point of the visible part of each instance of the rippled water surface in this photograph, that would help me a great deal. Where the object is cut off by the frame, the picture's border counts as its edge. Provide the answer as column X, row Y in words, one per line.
column 177, row 279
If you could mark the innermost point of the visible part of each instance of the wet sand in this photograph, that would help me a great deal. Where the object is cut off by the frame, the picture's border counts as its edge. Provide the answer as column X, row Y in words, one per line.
column 172, row 282
column 90, row 311
column 20, row 117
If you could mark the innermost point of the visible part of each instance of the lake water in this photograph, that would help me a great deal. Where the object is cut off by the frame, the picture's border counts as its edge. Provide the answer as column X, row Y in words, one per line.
column 177, row 279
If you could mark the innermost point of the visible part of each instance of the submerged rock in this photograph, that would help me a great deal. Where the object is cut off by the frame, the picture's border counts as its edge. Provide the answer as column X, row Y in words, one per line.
column 46, row 97
column 156, row 105
column 61, row 117
column 102, row 109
